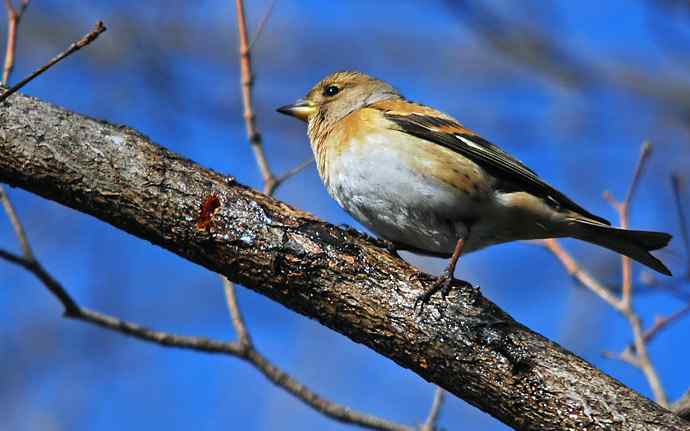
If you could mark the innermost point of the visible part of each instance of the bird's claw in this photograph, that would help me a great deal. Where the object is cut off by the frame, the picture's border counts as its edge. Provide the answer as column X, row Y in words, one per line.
column 444, row 284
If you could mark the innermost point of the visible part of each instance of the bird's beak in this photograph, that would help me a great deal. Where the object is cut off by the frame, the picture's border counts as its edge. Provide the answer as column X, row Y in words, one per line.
column 301, row 109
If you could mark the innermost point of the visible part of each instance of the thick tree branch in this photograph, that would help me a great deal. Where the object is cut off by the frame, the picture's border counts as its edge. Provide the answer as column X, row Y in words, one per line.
column 344, row 280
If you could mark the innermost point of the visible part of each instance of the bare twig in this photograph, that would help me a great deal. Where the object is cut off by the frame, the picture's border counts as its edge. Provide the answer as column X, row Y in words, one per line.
column 434, row 413
column 253, row 133
column 73, row 311
column 13, row 18
column 629, row 354
column 641, row 356
column 262, row 24
column 662, row 323
column 270, row 190
column 623, row 210
column 237, row 320
column 34, row 267
column 16, row 225
column 291, row 385
column 270, row 181
column 637, row 356
column 240, row 349
column 682, row 221
column 335, row 411
column 645, row 153
column 580, row 274
column 76, row 46
column 643, row 360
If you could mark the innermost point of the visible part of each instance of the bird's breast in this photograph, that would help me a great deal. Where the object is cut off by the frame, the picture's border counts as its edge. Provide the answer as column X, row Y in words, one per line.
column 405, row 189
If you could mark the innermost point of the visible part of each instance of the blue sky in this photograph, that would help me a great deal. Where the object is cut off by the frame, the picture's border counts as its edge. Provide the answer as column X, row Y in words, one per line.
column 173, row 73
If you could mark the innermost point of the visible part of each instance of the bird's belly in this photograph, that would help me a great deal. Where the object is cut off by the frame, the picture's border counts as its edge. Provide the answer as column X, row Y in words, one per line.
column 389, row 193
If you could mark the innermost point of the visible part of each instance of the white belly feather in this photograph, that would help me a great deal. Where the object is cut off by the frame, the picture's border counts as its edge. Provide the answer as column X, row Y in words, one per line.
column 376, row 183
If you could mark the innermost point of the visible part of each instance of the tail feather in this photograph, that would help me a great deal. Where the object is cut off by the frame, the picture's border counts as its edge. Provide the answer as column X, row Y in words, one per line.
column 636, row 244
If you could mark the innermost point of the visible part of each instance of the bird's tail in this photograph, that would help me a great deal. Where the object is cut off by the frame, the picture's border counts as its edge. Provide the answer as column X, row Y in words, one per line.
column 636, row 244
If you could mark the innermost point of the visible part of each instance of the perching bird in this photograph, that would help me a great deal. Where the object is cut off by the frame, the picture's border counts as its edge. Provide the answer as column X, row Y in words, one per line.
column 421, row 180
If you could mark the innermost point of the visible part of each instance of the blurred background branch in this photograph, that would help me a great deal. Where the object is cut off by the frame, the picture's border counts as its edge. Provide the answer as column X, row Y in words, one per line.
column 636, row 354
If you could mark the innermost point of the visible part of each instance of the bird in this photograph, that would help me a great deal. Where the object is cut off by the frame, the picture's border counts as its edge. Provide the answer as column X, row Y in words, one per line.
column 425, row 183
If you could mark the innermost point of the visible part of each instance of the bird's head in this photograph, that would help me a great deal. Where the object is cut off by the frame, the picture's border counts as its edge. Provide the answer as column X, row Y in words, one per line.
column 337, row 95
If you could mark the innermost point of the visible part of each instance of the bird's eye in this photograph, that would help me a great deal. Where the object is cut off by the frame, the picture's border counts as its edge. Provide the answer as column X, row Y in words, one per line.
column 331, row 90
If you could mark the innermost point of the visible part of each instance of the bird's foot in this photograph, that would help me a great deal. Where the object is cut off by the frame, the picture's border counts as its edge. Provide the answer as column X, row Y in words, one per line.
column 444, row 284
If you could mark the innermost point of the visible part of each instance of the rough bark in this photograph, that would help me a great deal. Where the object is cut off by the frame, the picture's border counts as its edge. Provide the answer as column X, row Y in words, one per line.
column 465, row 344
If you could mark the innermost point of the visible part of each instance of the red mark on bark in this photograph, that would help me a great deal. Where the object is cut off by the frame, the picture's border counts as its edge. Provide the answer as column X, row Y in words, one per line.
column 209, row 208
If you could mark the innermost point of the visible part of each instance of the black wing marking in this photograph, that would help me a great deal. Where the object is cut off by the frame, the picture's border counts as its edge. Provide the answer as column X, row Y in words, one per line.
column 487, row 155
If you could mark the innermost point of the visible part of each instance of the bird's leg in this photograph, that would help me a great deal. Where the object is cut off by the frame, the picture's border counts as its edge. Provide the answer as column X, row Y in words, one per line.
column 445, row 281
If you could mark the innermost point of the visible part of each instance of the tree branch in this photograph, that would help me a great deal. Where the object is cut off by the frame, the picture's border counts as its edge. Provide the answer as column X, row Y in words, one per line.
column 638, row 356
column 466, row 344
column 435, row 412
column 76, row 46
column 253, row 133
column 242, row 349
column 682, row 220
column 13, row 18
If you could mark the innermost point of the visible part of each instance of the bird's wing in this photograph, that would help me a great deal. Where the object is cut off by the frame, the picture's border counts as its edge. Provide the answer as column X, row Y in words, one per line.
column 434, row 126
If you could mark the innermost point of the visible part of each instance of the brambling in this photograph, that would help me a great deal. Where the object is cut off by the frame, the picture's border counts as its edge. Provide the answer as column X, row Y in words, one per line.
column 421, row 180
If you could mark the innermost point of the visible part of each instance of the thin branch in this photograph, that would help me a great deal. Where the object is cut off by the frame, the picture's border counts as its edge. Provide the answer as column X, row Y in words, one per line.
column 644, row 362
column 238, row 349
column 285, row 381
column 262, row 24
column 13, row 18
column 638, row 357
column 645, row 153
column 623, row 210
column 33, row 266
column 76, row 46
column 237, row 319
column 335, row 411
column 201, row 344
column 253, row 133
column 576, row 271
column 73, row 311
column 17, row 225
column 662, row 323
column 270, row 181
column 434, row 413
column 272, row 187
column 682, row 221
column 642, row 359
